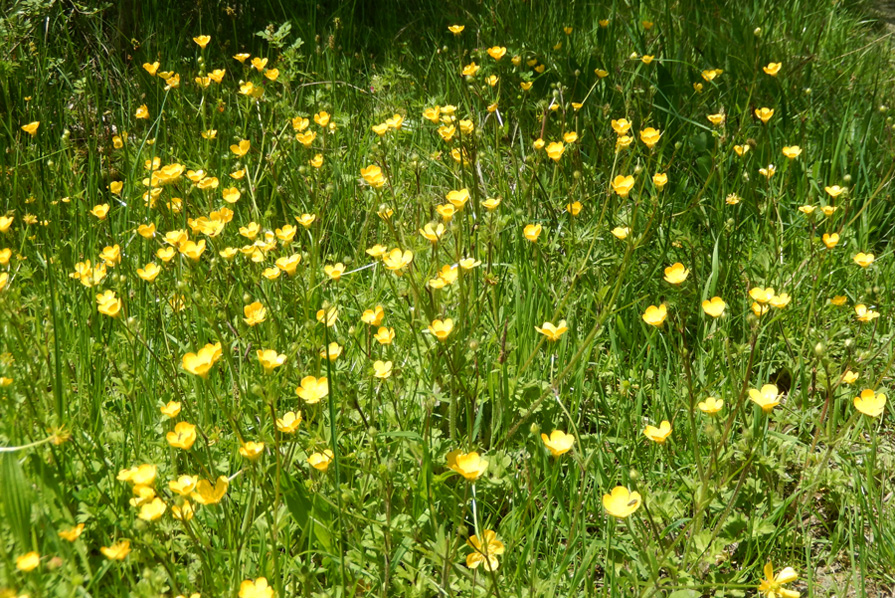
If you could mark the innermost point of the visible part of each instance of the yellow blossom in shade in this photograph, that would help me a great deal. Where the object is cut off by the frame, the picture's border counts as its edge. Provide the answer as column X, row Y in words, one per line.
column 711, row 405
column 655, row 316
column 767, row 398
column 142, row 112
column 385, row 336
column 28, row 561
column 380, row 129
column 676, row 273
column 834, row 191
column 328, row 316
column 828, row 210
column 334, row 271
column 217, row 75
column 396, row 260
column 864, row 314
column 772, row 68
column 714, row 307
column 870, row 403
column 432, row 232
column 650, row 137
column 456, row 29
column 660, row 434
column 555, row 150
column 272, row 74
column 601, row 73
column 108, row 304
column 183, row 436
column 202, row 40
column 792, row 151
column 622, row 185
column 491, row 203
column 73, row 533
column 485, row 550
column 621, row 126
column 532, row 232
column 149, row 272
column 538, row 143
column 741, row 150
column 206, row 494
column 270, row 359
column 698, row 87
column 574, row 208
column 772, row 585
column 558, row 443
column 764, row 114
column 151, row 68
column 621, row 232
column 647, row 58
column 331, row 351
column 252, row 450
column 552, row 332
column 780, row 301
column 470, row 70
column 312, row 389
column 373, row 317
column 441, row 329
column 769, row 171
column 470, row 465
column 100, row 211
column 458, row 198
column 170, row 409
column 621, row 502
column 259, row 63
column 711, row 74
column 382, row 369
column 864, row 259
column 242, row 148
column 288, row 424
column 321, row 461
column 762, row 295
column 183, row 512
column 152, row 510
column 118, row 551
column 838, row 300
column 830, row 240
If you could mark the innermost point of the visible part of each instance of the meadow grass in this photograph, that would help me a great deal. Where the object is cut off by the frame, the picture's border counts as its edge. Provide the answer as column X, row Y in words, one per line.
column 587, row 299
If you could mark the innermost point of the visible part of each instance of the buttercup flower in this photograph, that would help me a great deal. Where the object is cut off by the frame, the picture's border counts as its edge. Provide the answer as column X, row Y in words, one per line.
column 385, row 336
column 622, row 185
column 830, row 240
column 470, row 465
column 206, row 494
column 655, row 316
column 288, row 424
column 117, row 552
column 312, row 389
column 792, row 151
column 183, row 436
column 555, row 150
column 767, row 398
column 270, row 359
column 255, row 313
column 711, row 405
column 486, row 551
column 764, row 114
column 31, row 128
column 834, row 191
column 532, row 232
column 252, row 450
column 621, row 232
column 870, row 403
column 772, row 68
column 28, row 561
column 660, row 434
column 558, row 443
column 650, row 137
column 864, row 259
column 73, row 533
column 321, row 461
column 202, row 40
column 382, row 369
column 497, row 52
column 621, row 502
column 676, row 273
column 553, row 332
column 772, row 585
column 714, row 307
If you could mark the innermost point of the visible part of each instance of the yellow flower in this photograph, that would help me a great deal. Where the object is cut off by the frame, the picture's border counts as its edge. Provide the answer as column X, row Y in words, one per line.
column 574, row 208
column 741, row 150
column 870, row 403
column 772, row 68
column 373, row 317
column 334, row 271
column 762, row 295
column 328, row 316
column 117, row 552
column 201, row 362
column 272, row 74
column 830, row 240
column 149, row 272
column 660, row 179
column 660, row 434
column 555, row 150
column 838, row 300
column 864, row 259
column 456, row 29
column 385, row 336
column 322, row 118
column 231, row 194
column 558, row 443
column 151, row 68
column 242, row 148
column 532, row 232
column 31, row 128
column 183, row 436
column 486, row 551
column 441, row 329
column 5, row 223
column 850, row 377
column 270, row 359
column 382, row 369
column 491, row 203
column 142, row 112
column 553, row 332
column 108, row 304
column 321, row 461
column 183, row 513
column 621, row 502
column 792, row 151
column 331, row 352
column 621, row 232
column 289, row 264
column 864, row 314
column 193, row 250
column 470, row 465
column 470, row 70
column 760, row 309
column 28, row 562
column 73, row 533
column 764, row 114
column 710, row 74
column 255, row 313
column 152, row 510
column 650, row 137
column 676, row 273
column 100, row 211
column 206, row 494
column 601, row 73
column 711, row 405
column 622, row 185
column 646, row 58
column 771, row 586
column 313, row 389
column 828, row 210
column 432, row 232
column 289, row 423
column 767, row 398
column 202, row 40
column 372, row 174
column 166, row 254
column 769, row 171
column 538, row 143
column 780, row 301
column 217, row 75
column 458, row 198
column 259, row 63
column 171, row 409
column 446, row 211
column 655, row 316
column 497, row 52
column 252, row 450
column 834, row 191
column 621, row 126
column 396, row 260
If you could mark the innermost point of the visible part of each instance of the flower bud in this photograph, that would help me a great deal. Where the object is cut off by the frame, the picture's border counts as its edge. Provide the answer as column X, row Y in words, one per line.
column 819, row 349
column 535, row 429
column 846, row 179
column 633, row 474
column 757, row 32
